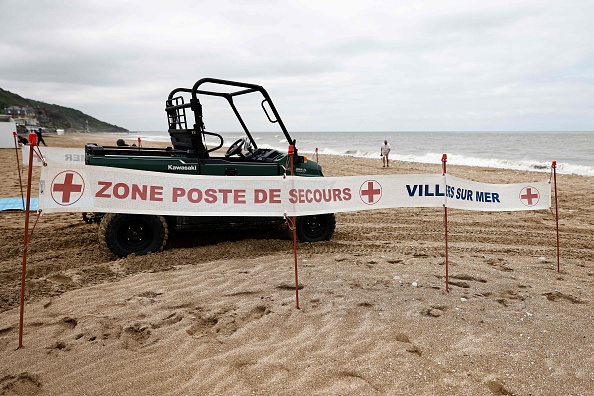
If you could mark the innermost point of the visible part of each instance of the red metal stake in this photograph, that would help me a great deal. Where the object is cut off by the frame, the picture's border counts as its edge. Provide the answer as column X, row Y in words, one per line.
column 554, row 166
column 444, row 159
column 291, row 165
column 33, row 142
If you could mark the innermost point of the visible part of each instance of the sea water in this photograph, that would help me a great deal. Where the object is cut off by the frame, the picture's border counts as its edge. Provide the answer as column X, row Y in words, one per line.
column 534, row 151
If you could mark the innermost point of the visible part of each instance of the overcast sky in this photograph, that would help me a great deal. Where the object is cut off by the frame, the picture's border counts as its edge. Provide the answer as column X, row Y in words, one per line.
column 341, row 65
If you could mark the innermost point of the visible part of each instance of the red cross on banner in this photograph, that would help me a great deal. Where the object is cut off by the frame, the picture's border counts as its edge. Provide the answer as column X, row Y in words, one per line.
column 369, row 190
column 71, row 186
column 529, row 196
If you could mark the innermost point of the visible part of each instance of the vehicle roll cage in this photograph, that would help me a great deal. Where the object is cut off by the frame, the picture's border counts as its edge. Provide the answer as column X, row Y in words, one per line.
column 192, row 139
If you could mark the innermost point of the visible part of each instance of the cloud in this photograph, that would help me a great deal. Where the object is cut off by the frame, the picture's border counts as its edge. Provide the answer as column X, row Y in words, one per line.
column 331, row 65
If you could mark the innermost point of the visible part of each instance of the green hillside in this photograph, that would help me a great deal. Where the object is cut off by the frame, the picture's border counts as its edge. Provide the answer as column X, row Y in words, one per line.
column 58, row 117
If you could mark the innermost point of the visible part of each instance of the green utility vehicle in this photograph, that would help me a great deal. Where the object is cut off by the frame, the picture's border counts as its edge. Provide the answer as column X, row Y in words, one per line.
column 194, row 151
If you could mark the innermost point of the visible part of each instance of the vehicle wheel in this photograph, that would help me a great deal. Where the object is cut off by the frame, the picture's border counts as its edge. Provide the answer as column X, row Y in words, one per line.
column 316, row 228
column 125, row 234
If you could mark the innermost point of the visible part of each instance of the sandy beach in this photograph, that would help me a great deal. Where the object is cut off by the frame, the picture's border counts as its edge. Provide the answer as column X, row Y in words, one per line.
column 214, row 313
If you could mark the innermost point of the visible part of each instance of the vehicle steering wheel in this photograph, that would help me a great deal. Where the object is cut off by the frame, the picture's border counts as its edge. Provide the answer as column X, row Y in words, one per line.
column 235, row 148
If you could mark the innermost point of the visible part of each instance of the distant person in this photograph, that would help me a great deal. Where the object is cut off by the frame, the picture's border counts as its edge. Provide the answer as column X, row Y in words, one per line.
column 384, row 153
column 40, row 137
column 23, row 140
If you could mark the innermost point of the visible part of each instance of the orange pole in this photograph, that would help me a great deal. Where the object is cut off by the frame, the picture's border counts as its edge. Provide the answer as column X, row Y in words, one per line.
column 291, row 165
column 33, row 142
column 444, row 159
column 554, row 166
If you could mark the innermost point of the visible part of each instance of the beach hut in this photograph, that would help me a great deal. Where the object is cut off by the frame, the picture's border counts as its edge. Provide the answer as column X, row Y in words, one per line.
column 7, row 127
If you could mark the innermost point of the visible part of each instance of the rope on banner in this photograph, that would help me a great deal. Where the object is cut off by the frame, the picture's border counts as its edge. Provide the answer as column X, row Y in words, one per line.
column 16, row 150
column 444, row 159
column 37, row 151
column 26, row 245
column 554, row 171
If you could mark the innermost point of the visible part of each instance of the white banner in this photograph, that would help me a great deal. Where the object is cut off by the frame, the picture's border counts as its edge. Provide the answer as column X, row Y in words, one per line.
column 55, row 155
column 75, row 188
column 471, row 195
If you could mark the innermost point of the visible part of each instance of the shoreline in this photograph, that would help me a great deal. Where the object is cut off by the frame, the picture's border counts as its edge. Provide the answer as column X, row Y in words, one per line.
column 453, row 159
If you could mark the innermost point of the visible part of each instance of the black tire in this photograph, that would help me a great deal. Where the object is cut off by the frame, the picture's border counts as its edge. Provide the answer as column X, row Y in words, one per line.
column 316, row 228
column 124, row 234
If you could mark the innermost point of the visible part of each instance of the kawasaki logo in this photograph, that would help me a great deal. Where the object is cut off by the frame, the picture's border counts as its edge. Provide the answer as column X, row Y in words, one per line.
column 181, row 167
